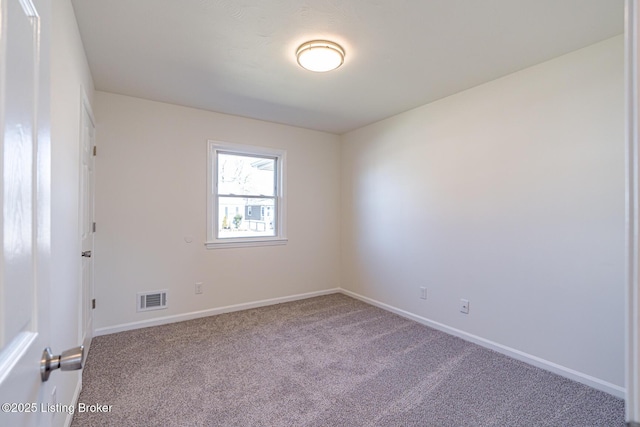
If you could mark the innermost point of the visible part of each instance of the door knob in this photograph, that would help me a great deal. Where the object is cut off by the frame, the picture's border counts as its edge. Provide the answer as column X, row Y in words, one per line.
column 86, row 254
column 70, row 360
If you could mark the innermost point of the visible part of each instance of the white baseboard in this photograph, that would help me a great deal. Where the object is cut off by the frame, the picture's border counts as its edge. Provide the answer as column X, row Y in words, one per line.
column 210, row 312
column 508, row 351
column 583, row 378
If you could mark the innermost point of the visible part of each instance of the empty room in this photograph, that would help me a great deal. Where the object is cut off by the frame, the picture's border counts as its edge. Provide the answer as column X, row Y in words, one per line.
column 319, row 213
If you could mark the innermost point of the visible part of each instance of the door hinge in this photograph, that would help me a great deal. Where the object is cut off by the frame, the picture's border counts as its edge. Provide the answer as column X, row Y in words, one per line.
column 94, row 227
column 95, row 150
column 93, row 303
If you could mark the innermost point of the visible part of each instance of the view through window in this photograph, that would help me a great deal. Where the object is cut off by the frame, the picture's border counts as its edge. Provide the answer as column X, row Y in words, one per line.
column 247, row 189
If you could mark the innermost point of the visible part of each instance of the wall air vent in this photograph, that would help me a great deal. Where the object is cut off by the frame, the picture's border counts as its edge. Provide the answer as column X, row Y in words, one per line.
column 154, row 300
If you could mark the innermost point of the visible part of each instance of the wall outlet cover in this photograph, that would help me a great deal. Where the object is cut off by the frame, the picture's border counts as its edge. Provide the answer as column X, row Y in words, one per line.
column 464, row 306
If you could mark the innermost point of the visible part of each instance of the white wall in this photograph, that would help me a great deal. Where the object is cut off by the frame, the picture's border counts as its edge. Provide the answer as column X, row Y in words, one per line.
column 69, row 73
column 151, row 194
column 511, row 195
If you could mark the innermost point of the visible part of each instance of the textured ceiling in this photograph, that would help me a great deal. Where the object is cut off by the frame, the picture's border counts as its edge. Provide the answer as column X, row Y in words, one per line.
column 237, row 56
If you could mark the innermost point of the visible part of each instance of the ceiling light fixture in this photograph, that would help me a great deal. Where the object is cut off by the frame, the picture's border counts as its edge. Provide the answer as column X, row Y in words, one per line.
column 320, row 55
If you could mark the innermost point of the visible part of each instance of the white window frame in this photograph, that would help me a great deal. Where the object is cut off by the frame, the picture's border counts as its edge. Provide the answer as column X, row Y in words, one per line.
column 213, row 242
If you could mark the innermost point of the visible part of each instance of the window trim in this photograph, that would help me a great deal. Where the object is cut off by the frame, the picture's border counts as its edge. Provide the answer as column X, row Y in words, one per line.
column 213, row 242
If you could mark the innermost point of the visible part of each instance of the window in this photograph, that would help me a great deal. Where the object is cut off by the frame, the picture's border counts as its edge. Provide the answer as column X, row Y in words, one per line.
column 245, row 196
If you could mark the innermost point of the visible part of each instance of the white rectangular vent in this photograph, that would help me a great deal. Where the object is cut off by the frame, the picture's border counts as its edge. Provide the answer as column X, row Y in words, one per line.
column 155, row 300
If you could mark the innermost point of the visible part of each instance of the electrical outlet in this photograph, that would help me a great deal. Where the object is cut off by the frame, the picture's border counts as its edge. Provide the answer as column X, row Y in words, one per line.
column 198, row 287
column 423, row 292
column 464, row 306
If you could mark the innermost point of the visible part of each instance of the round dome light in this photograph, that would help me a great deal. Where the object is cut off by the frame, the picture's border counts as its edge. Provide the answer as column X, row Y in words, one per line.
column 320, row 55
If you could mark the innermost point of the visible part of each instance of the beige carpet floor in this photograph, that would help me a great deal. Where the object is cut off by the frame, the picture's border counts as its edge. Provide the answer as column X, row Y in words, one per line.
column 325, row 361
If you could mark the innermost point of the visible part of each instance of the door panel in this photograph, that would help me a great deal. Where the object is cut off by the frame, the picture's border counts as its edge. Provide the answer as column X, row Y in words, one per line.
column 19, row 139
column 24, row 190
column 87, row 142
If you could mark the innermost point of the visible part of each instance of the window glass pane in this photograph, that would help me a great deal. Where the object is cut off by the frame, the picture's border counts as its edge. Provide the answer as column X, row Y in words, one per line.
column 246, row 217
column 246, row 175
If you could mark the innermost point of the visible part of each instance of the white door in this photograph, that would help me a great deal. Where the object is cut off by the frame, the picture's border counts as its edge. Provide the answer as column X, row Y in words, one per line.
column 24, row 214
column 87, row 143
column 632, row 89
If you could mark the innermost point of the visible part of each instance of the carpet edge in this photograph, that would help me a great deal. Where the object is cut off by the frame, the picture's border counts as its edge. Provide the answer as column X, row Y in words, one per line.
column 209, row 312
column 530, row 359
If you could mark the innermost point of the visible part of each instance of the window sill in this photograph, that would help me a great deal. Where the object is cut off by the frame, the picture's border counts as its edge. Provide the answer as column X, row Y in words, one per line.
column 242, row 243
